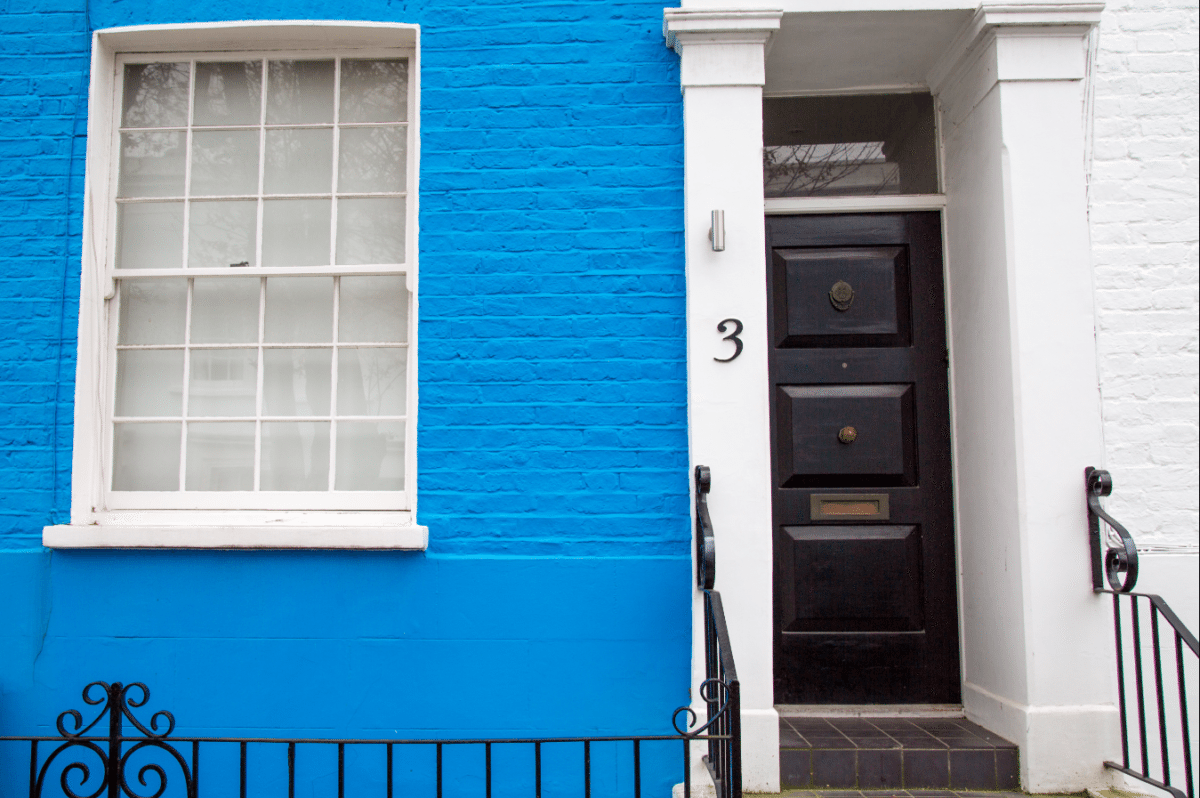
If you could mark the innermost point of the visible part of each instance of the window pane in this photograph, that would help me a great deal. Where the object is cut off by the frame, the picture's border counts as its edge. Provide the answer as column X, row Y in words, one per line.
column 225, row 310
column 228, row 93
column 155, row 95
column 224, row 162
column 151, row 165
column 299, row 310
column 370, row 455
column 372, row 382
column 374, row 91
column 296, row 382
column 299, row 162
column 296, row 232
column 150, row 235
column 299, row 92
column 221, row 234
column 831, row 146
column 371, row 159
column 152, row 311
column 220, row 456
column 146, row 457
column 370, row 230
column 223, row 382
column 295, row 455
column 149, row 382
column 373, row 309
column 281, row 354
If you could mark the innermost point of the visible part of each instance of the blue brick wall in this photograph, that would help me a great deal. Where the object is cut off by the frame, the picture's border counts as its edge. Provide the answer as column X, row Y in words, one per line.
column 552, row 413
column 552, row 437
column 43, row 88
column 552, row 326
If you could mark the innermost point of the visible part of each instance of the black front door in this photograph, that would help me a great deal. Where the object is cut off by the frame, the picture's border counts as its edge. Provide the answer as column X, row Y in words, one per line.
column 865, row 606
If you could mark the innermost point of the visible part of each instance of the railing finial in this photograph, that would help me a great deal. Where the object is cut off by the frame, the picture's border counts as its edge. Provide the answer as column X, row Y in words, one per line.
column 111, row 761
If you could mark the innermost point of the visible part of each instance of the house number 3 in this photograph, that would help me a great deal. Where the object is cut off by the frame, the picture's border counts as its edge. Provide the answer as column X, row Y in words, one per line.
column 733, row 336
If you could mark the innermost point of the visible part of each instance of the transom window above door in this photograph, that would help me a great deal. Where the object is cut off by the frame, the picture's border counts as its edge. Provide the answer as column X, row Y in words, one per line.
column 260, row 252
column 872, row 145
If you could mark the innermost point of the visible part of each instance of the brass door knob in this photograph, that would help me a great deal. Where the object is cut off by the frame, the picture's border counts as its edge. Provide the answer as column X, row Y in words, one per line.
column 841, row 296
column 847, row 434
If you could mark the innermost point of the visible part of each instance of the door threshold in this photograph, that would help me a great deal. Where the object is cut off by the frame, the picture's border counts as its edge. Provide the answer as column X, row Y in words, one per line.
column 870, row 710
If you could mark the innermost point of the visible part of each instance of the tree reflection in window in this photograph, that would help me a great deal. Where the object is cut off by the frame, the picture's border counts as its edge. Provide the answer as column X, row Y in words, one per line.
column 857, row 167
column 854, row 145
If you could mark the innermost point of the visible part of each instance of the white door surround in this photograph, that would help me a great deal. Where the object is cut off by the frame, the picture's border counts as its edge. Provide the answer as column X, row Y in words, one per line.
column 722, row 73
column 1009, row 83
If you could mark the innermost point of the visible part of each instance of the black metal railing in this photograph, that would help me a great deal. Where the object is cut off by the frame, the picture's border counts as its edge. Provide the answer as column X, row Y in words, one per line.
column 1114, row 558
column 132, row 759
column 720, row 689
column 117, row 755
column 724, row 759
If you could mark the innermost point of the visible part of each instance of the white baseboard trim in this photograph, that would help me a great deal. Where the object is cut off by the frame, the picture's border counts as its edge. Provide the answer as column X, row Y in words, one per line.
column 760, row 750
column 1063, row 746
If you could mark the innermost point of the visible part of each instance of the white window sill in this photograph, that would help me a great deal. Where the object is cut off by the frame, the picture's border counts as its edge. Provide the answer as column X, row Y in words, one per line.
column 231, row 536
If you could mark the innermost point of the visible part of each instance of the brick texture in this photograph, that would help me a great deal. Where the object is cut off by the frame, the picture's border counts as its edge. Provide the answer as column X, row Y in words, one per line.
column 552, row 376
column 42, row 124
column 1144, row 219
column 552, row 310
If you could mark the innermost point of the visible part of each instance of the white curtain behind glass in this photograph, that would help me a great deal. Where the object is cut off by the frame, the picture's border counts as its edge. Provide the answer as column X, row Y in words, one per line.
column 275, row 381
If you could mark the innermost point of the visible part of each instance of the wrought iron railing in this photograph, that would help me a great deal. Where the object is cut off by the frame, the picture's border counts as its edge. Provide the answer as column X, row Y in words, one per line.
column 1114, row 559
column 720, row 689
column 132, row 759
column 117, row 755
column 724, row 758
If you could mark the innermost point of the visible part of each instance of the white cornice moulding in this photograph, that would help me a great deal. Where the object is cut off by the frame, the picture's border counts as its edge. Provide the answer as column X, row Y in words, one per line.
column 1070, row 21
column 682, row 26
column 720, row 47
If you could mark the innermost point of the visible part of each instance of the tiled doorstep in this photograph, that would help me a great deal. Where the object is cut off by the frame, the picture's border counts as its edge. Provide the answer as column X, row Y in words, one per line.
column 894, row 754
column 899, row 793
column 899, row 769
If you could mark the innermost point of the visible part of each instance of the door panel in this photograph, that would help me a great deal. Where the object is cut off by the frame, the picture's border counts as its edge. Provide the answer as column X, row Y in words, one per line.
column 872, row 312
column 846, row 435
column 855, row 579
column 865, row 597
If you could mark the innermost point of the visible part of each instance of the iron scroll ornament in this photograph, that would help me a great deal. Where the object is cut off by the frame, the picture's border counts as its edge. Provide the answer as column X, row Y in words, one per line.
column 706, row 550
column 114, row 759
column 723, row 326
column 715, row 693
column 719, row 692
column 1115, row 559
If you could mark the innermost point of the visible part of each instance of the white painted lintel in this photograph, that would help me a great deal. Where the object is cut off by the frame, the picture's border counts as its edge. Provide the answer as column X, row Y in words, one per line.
column 908, row 202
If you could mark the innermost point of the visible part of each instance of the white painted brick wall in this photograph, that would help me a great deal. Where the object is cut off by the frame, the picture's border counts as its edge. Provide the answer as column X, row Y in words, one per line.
column 1144, row 219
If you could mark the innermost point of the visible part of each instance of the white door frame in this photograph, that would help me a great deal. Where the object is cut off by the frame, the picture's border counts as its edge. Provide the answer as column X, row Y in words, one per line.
column 1025, row 399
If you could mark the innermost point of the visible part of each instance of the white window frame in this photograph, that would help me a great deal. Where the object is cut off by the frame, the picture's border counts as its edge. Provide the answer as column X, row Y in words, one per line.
column 98, row 519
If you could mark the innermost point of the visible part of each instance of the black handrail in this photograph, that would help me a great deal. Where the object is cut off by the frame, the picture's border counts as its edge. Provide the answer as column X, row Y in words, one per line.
column 720, row 689
column 1120, row 566
column 724, row 759
column 706, row 553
